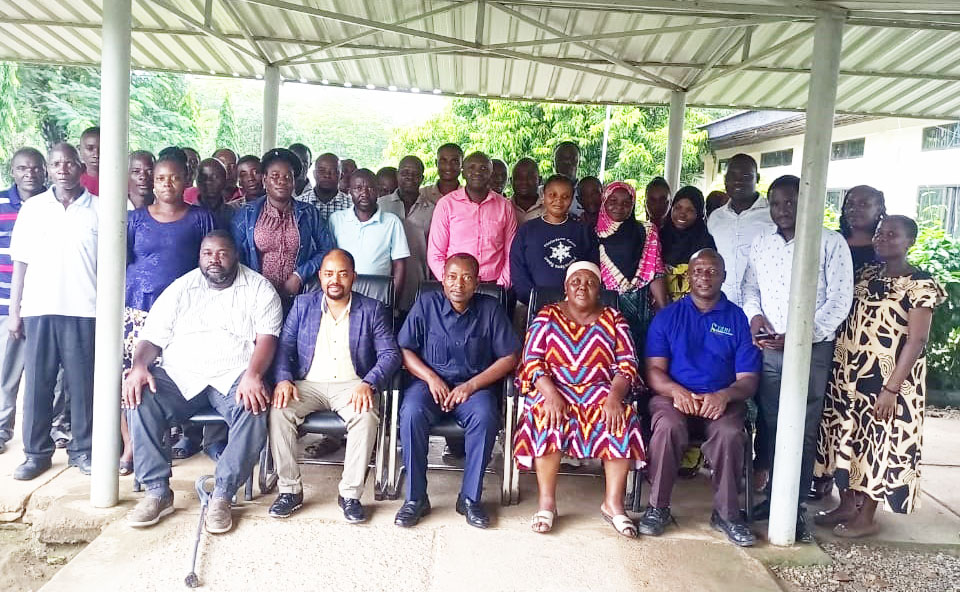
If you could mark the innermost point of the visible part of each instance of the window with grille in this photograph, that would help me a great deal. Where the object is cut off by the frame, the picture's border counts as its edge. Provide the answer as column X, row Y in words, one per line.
column 776, row 159
column 847, row 149
column 941, row 137
column 835, row 199
column 940, row 203
column 722, row 165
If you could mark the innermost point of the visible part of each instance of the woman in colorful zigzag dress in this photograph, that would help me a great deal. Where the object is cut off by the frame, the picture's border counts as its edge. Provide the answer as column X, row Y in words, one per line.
column 579, row 366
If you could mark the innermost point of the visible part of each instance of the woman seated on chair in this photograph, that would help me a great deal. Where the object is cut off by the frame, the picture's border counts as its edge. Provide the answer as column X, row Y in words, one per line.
column 579, row 366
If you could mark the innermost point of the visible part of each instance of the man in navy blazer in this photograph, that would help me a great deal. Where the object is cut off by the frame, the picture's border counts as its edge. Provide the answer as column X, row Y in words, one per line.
column 336, row 349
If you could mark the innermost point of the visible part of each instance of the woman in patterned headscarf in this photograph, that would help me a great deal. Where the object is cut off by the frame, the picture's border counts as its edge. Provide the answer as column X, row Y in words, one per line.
column 630, row 260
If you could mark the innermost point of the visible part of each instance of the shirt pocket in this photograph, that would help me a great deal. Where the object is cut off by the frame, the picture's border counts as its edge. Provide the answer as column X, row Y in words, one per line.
column 477, row 349
column 437, row 351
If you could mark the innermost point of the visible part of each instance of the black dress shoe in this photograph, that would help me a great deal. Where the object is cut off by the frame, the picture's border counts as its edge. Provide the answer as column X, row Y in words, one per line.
column 286, row 504
column 761, row 511
column 31, row 469
column 654, row 521
column 804, row 535
column 736, row 530
column 411, row 512
column 352, row 509
column 81, row 461
column 476, row 515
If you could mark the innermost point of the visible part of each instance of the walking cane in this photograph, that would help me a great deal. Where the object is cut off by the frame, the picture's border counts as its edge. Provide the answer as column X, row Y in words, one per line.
column 192, row 581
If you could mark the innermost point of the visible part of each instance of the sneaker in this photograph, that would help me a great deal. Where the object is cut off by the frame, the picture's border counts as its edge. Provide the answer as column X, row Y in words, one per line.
column 150, row 510
column 218, row 518
column 352, row 510
column 736, row 530
column 286, row 504
column 654, row 521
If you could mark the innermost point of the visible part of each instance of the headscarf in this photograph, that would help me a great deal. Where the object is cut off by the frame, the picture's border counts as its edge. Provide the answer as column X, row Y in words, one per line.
column 625, row 248
column 678, row 245
column 577, row 266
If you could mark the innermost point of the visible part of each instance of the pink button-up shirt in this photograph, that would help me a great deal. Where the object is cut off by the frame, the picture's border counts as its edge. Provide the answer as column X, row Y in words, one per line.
column 485, row 230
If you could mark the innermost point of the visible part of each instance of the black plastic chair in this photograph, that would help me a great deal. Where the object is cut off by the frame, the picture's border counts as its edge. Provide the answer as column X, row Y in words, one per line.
column 328, row 422
column 447, row 427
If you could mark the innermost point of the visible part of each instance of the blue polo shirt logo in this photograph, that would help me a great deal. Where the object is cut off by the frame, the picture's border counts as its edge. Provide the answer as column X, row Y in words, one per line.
column 720, row 329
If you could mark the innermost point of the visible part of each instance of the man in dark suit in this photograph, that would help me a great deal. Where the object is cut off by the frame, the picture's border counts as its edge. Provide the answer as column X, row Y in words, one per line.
column 335, row 350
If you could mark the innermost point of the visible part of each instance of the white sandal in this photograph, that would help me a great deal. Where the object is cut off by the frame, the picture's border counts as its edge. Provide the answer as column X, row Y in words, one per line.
column 543, row 517
column 621, row 523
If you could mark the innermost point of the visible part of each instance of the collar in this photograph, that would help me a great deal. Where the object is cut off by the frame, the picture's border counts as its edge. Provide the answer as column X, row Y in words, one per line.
column 461, row 196
column 374, row 219
column 82, row 200
column 13, row 195
column 446, row 309
column 721, row 306
column 201, row 282
column 276, row 212
column 776, row 233
column 537, row 204
column 346, row 311
column 759, row 204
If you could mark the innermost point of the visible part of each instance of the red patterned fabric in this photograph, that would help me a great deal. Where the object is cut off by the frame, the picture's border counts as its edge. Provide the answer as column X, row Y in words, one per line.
column 278, row 240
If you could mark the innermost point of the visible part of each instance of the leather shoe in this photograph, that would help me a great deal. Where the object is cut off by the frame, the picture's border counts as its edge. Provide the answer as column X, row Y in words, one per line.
column 736, row 530
column 81, row 461
column 352, row 509
column 3, row 446
column 286, row 504
column 411, row 512
column 474, row 512
column 31, row 469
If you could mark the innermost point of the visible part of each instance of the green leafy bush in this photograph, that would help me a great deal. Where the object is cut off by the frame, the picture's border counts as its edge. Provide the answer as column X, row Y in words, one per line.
column 938, row 253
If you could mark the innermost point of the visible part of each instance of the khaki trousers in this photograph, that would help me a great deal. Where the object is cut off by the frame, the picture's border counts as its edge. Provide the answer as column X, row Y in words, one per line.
column 361, row 434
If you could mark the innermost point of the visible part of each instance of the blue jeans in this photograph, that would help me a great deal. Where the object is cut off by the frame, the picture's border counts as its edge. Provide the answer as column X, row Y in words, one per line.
column 157, row 412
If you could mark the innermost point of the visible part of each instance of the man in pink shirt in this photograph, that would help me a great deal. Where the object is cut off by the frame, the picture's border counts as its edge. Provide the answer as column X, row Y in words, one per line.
column 475, row 220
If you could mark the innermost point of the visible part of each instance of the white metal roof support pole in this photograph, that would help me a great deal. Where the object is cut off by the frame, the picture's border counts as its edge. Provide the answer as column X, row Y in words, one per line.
column 603, row 149
column 111, row 250
column 678, row 106
column 828, row 39
column 271, row 106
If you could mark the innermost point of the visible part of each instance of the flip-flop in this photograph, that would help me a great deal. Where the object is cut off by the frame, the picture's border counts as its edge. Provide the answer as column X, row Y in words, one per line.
column 831, row 519
column 621, row 523
column 845, row 532
column 543, row 517
column 126, row 468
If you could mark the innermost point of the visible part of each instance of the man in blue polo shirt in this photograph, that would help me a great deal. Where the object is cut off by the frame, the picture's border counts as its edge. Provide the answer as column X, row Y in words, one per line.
column 29, row 175
column 702, row 366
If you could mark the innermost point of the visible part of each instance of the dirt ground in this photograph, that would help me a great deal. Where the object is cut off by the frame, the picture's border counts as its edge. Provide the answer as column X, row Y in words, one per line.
column 25, row 563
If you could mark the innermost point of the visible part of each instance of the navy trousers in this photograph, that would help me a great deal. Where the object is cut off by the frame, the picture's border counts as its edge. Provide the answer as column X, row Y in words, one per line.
column 479, row 416
column 157, row 412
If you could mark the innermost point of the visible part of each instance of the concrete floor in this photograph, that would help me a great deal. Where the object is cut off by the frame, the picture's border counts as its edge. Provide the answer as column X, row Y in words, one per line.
column 317, row 550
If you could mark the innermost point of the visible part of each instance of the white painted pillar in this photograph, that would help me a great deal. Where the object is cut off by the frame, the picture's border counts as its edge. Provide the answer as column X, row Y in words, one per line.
column 603, row 149
column 271, row 106
column 678, row 106
column 111, row 250
column 828, row 39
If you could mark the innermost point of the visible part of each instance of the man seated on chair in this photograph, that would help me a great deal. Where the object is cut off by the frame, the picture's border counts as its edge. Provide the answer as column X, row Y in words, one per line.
column 702, row 366
column 336, row 349
column 217, row 329
column 457, row 345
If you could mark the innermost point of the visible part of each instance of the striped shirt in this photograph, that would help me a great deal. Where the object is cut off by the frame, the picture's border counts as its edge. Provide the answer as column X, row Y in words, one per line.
column 10, row 203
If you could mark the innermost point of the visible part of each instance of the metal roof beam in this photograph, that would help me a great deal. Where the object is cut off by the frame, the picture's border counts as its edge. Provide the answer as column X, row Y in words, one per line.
column 607, row 56
column 722, row 54
column 481, row 15
column 793, row 8
column 345, row 41
column 207, row 30
column 363, row 22
column 757, row 57
column 244, row 30
column 724, row 24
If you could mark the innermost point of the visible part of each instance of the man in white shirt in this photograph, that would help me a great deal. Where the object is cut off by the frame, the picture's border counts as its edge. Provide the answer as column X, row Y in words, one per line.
column 735, row 225
column 217, row 328
column 54, row 252
column 766, row 294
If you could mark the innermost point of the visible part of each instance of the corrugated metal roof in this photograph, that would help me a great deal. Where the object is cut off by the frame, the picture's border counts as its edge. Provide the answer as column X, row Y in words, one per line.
column 898, row 58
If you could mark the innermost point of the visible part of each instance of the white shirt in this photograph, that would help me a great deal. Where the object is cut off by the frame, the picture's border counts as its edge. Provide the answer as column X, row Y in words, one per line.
column 734, row 233
column 59, row 246
column 766, row 284
column 208, row 335
column 332, row 361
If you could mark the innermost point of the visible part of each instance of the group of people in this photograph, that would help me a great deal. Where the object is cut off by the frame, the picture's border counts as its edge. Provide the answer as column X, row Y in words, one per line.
column 242, row 294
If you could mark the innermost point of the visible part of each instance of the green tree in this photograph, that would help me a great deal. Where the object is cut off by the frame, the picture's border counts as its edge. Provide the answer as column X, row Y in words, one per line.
column 227, row 134
column 511, row 130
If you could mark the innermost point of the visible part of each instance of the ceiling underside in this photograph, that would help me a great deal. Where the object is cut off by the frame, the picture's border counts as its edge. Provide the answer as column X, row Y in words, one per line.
column 899, row 58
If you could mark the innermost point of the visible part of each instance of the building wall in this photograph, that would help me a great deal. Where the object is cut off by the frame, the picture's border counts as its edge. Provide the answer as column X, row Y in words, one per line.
column 892, row 161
